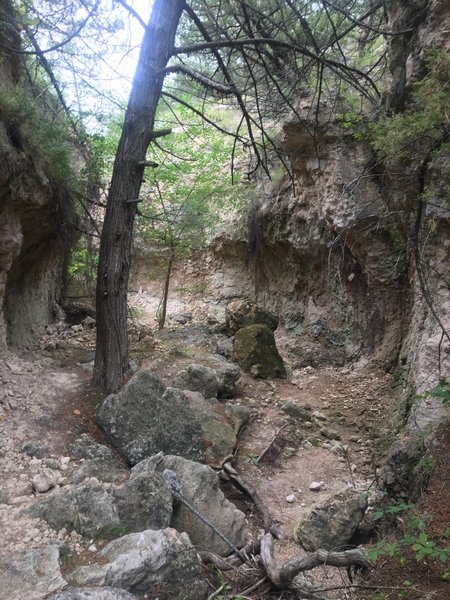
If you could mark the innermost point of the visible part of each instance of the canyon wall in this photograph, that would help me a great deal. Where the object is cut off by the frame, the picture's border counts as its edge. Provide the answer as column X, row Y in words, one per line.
column 35, row 215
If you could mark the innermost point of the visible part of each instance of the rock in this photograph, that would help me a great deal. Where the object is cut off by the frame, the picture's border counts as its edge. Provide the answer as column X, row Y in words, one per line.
column 4, row 496
column 256, row 353
column 155, row 563
column 294, row 410
column 99, row 461
column 329, row 433
column 45, row 480
column 242, row 313
column 227, row 375
column 291, row 498
column 36, row 449
column 103, row 593
column 225, row 347
column 402, row 475
column 88, row 323
column 144, row 502
column 31, row 575
column 181, row 318
column 331, row 524
column 198, row 378
column 200, row 487
column 238, row 414
column 316, row 486
column 143, row 419
column 86, row 509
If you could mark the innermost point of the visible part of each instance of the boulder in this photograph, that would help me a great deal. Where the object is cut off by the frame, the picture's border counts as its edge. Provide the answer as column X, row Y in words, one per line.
column 200, row 487
column 227, row 374
column 198, row 378
column 331, row 524
column 242, row 313
column 144, row 503
column 144, row 418
column 86, row 509
column 160, row 563
column 32, row 574
column 256, row 353
column 103, row 593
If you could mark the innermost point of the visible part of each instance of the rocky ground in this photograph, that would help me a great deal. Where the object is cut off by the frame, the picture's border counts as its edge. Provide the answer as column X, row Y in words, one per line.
column 308, row 436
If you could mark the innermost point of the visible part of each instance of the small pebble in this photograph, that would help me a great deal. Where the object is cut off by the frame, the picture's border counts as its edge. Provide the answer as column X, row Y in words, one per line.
column 291, row 498
column 316, row 486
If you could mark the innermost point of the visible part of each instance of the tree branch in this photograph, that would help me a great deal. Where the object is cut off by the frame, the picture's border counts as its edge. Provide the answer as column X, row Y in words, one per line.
column 202, row 79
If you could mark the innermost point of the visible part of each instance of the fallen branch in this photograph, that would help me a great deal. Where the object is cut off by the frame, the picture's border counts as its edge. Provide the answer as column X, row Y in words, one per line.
column 245, row 487
column 270, row 446
column 282, row 577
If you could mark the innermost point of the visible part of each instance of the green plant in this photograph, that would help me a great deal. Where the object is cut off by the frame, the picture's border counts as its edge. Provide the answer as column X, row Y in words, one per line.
column 251, row 459
column 415, row 538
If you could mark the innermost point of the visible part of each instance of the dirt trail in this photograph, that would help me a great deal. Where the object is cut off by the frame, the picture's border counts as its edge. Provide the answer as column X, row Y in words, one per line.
column 47, row 401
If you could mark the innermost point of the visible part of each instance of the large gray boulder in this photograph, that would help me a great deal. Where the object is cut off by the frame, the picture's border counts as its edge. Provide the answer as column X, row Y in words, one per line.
column 198, row 378
column 200, row 487
column 158, row 563
column 103, row 593
column 242, row 313
column 256, row 353
column 144, row 503
column 87, row 509
column 144, row 418
column 31, row 575
column 331, row 524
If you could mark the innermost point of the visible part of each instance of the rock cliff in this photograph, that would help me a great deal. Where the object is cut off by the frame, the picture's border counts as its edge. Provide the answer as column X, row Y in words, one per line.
column 35, row 214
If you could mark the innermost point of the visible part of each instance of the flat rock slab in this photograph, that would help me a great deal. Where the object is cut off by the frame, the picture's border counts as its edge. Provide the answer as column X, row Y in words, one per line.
column 31, row 575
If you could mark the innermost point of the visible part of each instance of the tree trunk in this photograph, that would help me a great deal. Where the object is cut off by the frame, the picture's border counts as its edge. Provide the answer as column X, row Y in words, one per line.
column 162, row 317
column 111, row 358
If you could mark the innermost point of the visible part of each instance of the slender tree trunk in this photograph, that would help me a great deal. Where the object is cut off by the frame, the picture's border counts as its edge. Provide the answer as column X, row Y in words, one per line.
column 162, row 318
column 111, row 358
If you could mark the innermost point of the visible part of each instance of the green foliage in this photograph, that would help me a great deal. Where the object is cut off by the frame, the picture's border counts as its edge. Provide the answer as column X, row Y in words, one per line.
column 422, row 128
column 415, row 538
column 83, row 264
column 44, row 131
column 441, row 390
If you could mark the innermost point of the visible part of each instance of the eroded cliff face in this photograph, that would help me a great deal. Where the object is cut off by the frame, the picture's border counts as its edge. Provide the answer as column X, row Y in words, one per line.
column 35, row 217
column 340, row 253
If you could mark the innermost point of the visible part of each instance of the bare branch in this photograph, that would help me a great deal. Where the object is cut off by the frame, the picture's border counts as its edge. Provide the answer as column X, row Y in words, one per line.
column 202, row 79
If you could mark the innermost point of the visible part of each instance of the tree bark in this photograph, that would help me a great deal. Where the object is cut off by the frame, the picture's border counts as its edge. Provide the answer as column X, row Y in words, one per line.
column 162, row 317
column 111, row 358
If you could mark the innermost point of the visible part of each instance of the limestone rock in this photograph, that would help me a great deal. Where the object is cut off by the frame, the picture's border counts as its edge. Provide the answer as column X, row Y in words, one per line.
column 144, row 418
column 331, row 524
column 32, row 574
column 45, row 480
column 294, row 410
column 227, row 374
column 242, row 313
column 86, row 509
column 144, row 503
column 200, row 487
column 256, row 353
column 198, row 378
column 151, row 562
column 103, row 593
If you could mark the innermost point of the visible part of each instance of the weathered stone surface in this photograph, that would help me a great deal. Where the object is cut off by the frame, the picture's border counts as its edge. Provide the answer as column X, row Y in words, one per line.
column 331, row 524
column 156, row 563
column 200, row 487
column 143, row 419
column 227, row 374
column 103, row 593
column 256, row 353
column 198, row 378
column 45, row 480
column 242, row 313
column 99, row 461
column 31, row 575
column 298, row 412
column 86, row 509
column 401, row 475
column 144, row 503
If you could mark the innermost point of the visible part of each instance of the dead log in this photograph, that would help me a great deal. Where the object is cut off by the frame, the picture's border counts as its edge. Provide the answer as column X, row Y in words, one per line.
column 283, row 576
